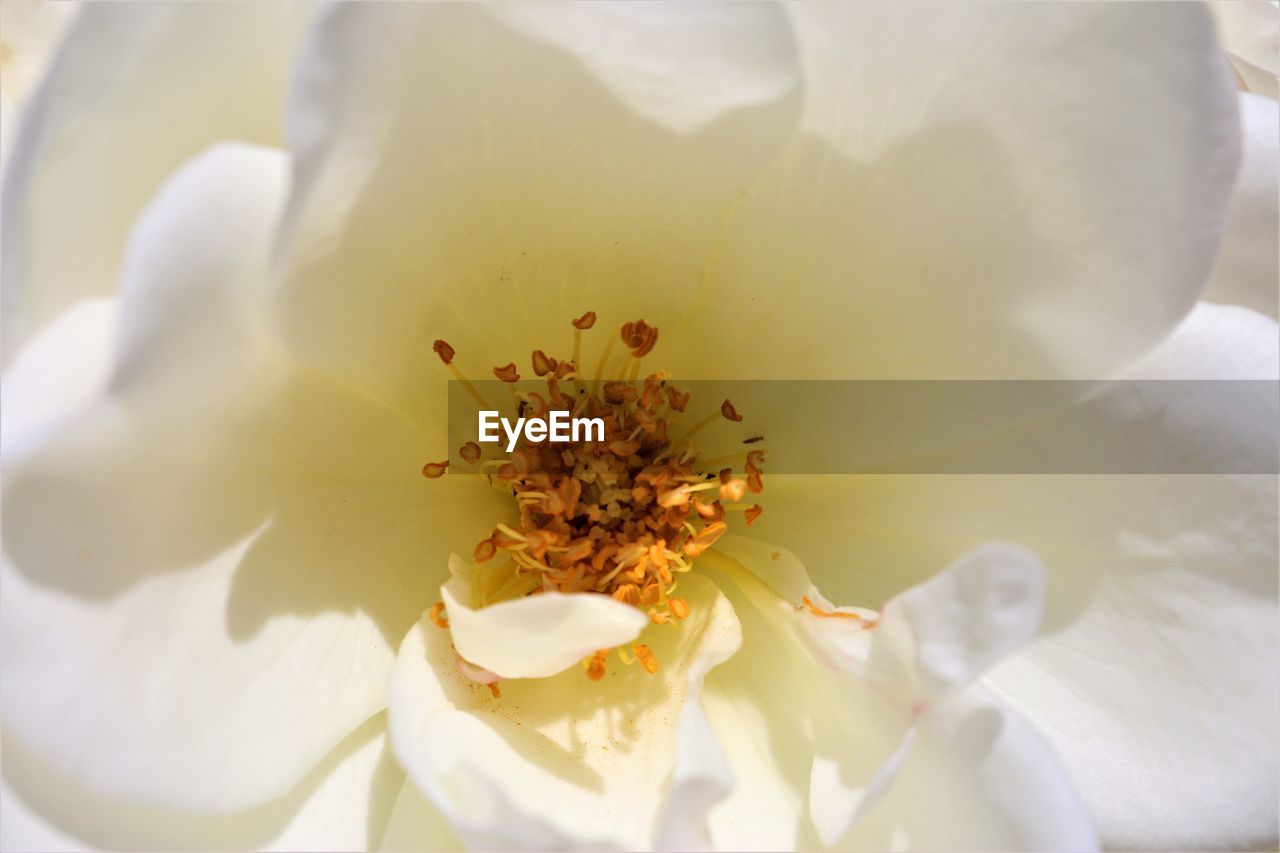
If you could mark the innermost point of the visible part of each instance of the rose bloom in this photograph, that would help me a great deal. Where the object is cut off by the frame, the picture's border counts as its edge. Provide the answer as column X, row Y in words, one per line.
column 246, row 246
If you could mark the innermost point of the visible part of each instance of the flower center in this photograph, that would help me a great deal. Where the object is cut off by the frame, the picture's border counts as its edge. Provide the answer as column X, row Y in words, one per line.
column 623, row 515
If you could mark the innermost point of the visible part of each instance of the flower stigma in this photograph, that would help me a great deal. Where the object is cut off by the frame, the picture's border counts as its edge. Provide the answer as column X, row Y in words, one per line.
column 623, row 515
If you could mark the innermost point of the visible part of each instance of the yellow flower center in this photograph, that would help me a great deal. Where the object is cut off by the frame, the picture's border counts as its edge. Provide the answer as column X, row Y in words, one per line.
column 624, row 515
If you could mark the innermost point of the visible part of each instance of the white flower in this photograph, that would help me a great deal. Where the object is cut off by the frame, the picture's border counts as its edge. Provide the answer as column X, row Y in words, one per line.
column 219, row 557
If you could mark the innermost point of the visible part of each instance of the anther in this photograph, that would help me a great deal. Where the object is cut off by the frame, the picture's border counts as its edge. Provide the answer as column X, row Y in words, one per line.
column 586, row 321
column 542, row 363
column 639, row 337
column 752, row 513
column 484, row 551
column 445, row 351
column 436, row 615
column 733, row 490
column 595, row 665
column 507, row 373
column 647, row 658
column 432, row 470
column 730, row 413
column 470, row 452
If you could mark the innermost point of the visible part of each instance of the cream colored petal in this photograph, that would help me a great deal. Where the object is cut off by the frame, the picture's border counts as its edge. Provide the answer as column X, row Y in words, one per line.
column 485, row 174
column 977, row 778
column 1164, row 700
column 220, row 545
column 865, row 690
column 133, row 91
column 342, row 804
column 981, row 191
column 415, row 824
column 563, row 762
column 1250, row 34
column 1248, row 271
column 537, row 636
column 63, row 370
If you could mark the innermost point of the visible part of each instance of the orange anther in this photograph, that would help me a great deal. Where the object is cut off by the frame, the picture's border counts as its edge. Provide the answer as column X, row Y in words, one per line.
column 752, row 513
column 678, row 606
column 733, row 490
column 484, row 551
column 586, row 321
column 619, row 392
column 628, row 593
column 836, row 614
column 436, row 615
column 445, row 351
column 755, row 482
column 727, row 409
column 595, row 665
column 507, row 373
column 706, row 537
column 647, row 658
column 623, row 449
column 710, row 512
column 639, row 337
column 432, row 470
column 542, row 363
column 470, row 452
column 676, row 400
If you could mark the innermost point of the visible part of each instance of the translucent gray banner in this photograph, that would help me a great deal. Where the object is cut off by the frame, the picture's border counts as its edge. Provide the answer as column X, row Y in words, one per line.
column 956, row 427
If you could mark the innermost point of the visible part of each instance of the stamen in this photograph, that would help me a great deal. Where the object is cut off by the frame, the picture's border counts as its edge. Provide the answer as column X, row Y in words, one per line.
column 595, row 665
column 446, row 354
column 434, row 470
column 542, row 364
column 837, row 614
column 604, row 360
column 647, row 658
column 623, row 515
column 436, row 617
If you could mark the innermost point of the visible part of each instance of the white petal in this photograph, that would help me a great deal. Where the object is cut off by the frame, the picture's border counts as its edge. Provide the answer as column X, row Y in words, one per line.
column 485, row 174
column 540, row 635
column 1250, row 34
column 220, row 546
column 1004, row 788
column 64, row 370
column 564, row 762
column 141, row 87
column 864, row 689
column 1000, row 191
column 983, row 607
column 343, row 804
column 1248, row 270
column 415, row 824
column 1163, row 704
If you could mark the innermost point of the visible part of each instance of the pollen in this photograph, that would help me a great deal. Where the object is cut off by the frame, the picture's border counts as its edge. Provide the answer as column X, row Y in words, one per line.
column 624, row 515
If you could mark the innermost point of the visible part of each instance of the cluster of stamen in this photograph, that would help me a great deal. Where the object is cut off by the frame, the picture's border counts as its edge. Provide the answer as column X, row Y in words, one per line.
column 623, row 516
